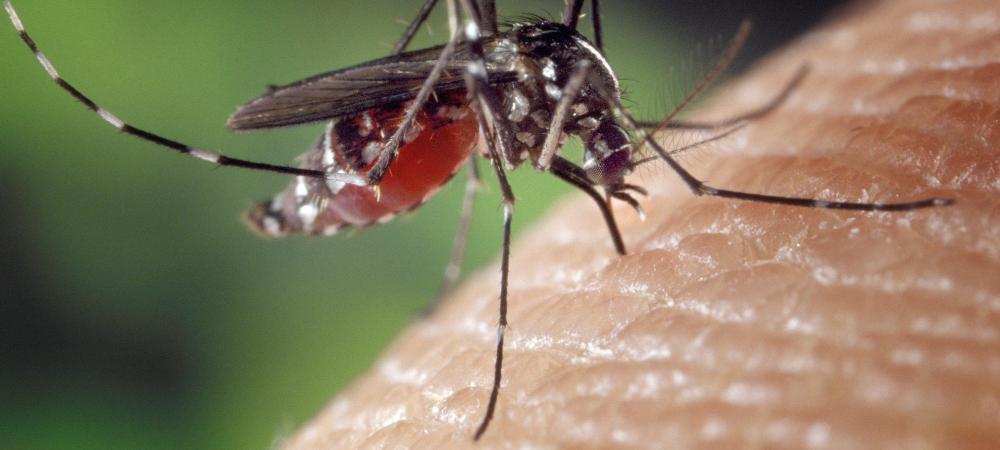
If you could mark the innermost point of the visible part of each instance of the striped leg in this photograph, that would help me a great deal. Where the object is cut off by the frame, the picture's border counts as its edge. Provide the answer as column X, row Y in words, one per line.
column 391, row 150
column 699, row 188
column 569, row 94
column 415, row 24
column 113, row 120
column 571, row 15
column 485, row 102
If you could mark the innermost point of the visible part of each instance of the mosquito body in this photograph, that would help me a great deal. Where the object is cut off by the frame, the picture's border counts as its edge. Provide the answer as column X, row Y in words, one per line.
column 401, row 126
column 530, row 65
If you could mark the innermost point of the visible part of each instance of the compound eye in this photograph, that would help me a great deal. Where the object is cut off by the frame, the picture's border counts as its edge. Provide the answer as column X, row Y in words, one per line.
column 607, row 154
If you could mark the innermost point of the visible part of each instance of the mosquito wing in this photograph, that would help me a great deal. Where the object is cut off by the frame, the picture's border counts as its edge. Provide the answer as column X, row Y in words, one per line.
column 343, row 92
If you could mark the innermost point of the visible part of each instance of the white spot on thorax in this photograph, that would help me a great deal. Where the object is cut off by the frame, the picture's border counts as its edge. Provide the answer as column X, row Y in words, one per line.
column 589, row 123
column 553, row 91
column 519, row 106
column 549, row 69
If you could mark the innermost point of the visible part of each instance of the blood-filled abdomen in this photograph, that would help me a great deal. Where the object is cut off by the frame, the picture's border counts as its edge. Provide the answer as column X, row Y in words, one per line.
column 435, row 147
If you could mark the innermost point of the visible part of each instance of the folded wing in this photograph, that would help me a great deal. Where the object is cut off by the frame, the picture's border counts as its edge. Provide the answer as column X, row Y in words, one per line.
column 344, row 92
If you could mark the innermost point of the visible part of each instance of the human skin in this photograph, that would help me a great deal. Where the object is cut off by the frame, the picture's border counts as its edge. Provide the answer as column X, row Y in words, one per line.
column 744, row 325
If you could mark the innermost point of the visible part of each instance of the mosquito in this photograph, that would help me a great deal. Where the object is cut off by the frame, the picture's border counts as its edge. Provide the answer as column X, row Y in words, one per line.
column 399, row 127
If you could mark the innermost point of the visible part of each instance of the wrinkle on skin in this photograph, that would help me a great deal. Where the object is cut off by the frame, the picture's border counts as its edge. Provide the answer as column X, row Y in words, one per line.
column 741, row 325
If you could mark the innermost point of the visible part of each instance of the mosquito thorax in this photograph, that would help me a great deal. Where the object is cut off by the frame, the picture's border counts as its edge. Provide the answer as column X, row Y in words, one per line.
column 544, row 55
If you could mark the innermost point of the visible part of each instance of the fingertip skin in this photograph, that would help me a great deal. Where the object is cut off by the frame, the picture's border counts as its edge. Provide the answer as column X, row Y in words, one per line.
column 742, row 325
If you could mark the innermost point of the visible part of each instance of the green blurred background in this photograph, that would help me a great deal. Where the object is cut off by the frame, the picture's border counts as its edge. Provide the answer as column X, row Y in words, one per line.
column 136, row 311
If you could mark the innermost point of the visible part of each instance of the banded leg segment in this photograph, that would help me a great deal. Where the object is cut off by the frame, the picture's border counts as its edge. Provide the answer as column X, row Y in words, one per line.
column 497, row 134
column 569, row 94
column 411, row 29
column 571, row 18
column 113, row 120
column 699, row 188
column 479, row 104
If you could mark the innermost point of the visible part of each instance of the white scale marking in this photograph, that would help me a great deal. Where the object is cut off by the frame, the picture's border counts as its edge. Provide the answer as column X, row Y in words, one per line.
column 328, row 159
column 110, row 118
column 47, row 65
column 13, row 16
column 301, row 188
column 308, row 213
column 205, row 156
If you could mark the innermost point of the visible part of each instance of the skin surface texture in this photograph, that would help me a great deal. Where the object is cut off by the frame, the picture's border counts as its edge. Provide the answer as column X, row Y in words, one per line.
column 742, row 325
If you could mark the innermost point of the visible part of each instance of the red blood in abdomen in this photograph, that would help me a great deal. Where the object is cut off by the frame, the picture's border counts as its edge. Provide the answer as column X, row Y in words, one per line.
column 422, row 166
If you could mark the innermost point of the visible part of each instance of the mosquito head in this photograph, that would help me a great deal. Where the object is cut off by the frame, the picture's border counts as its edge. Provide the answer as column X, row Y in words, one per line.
column 607, row 154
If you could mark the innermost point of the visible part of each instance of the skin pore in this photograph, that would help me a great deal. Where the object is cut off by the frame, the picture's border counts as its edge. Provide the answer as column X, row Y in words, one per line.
column 733, row 324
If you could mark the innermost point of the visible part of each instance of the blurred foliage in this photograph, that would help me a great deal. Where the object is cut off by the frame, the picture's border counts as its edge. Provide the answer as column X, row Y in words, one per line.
column 136, row 310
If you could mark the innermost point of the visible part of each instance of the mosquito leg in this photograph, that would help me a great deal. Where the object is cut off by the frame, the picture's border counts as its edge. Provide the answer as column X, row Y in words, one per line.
column 571, row 18
column 569, row 93
column 573, row 174
column 508, row 210
column 571, row 15
column 391, row 148
column 700, row 188
column 477, row 76
column 595, row 19
column 502, row 322
column 110, row 118
column 411, row 30
column 754, row 114
column 488, row 18
column 454, row 267
column 485, row 104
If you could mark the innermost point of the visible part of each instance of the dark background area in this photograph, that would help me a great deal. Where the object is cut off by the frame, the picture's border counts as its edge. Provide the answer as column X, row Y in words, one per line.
column 136, row 311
